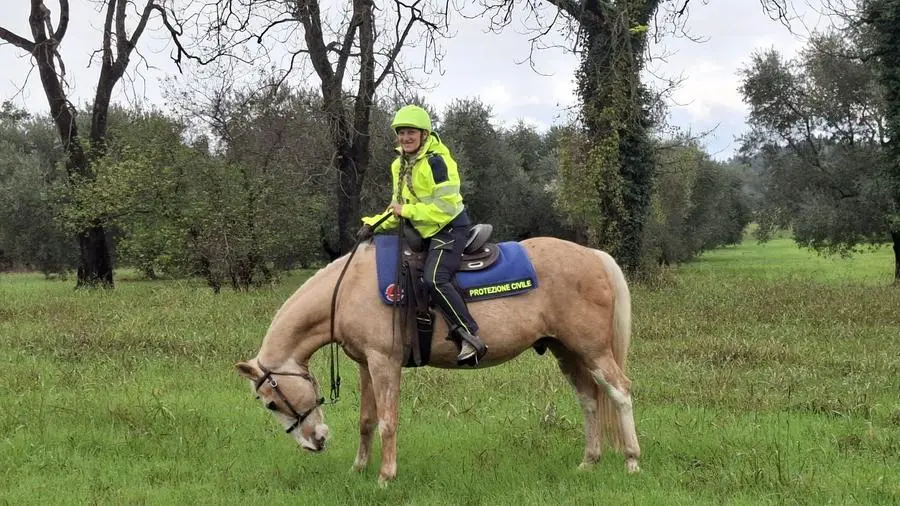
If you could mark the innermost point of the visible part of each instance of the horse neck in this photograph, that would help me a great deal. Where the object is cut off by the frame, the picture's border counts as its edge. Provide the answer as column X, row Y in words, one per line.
column 302, row 324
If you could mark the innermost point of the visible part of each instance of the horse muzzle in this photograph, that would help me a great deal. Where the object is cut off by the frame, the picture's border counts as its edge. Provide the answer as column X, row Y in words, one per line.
column 316, row 442
column 315, row 445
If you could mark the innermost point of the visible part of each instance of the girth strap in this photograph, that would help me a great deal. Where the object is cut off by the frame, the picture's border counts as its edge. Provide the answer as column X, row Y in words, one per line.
column 418, row 345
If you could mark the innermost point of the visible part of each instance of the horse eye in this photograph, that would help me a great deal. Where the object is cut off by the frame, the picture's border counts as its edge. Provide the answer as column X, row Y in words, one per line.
column 271, row 405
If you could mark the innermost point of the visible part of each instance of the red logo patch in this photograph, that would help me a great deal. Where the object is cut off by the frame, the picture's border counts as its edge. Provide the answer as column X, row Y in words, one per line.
column 394, row 293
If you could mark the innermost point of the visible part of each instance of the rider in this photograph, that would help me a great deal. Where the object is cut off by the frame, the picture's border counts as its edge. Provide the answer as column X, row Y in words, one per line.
column 425, row 186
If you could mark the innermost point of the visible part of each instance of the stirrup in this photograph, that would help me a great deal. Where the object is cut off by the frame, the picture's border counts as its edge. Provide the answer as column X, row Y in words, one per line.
column 466, row 352
column 474, row 341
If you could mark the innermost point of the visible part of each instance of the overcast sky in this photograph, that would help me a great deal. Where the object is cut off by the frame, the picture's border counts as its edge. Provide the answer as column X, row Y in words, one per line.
column 480, row 64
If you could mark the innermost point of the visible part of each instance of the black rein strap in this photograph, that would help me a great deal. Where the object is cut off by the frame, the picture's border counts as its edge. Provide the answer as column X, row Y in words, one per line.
column 334, row 353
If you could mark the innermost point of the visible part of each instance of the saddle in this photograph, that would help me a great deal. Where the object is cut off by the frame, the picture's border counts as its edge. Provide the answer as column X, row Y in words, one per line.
column 478, row 254
column 487, row 270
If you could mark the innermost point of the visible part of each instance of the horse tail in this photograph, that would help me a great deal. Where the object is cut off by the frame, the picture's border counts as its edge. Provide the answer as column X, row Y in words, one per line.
column 621, row 311
column 620, row 343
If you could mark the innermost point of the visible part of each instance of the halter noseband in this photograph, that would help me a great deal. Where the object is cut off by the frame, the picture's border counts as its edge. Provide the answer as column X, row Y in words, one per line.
column 298, row 417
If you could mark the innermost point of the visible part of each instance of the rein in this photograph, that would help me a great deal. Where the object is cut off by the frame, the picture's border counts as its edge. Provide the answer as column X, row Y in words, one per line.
column 334, row 365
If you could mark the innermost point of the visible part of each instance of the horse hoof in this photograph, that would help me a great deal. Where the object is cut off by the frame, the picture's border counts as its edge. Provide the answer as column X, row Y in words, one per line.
column 585, row 466
column 383, row 482
column 631, row 465
column 359, row 464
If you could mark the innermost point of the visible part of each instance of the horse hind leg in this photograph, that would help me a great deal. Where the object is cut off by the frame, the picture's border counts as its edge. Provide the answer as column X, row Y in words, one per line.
column 617, row 391
column 587, row 391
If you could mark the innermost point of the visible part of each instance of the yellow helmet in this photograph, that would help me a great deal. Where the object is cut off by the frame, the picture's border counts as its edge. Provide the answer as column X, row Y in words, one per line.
column 412, row 116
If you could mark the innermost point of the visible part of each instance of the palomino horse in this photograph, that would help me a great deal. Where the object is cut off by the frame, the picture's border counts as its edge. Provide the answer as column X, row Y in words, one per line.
column 581, row 311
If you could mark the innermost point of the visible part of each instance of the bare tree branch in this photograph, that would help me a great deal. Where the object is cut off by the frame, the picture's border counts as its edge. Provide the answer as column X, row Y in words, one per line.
column 273, row 24
column 346, row 47
column 107, row 35
column 121, row 34
column 124, row 45
column 780, row 10
column 63, row 21
column 308, row 14
column 16, row 40
column 394, row 52
column 141, row 26
column 366, row 88
column 176, row 32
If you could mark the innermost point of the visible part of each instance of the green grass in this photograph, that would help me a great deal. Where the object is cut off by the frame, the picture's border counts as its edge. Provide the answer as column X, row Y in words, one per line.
column 763, row 375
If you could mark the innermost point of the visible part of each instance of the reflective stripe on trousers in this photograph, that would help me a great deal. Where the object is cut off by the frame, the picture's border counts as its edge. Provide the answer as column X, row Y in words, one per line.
column 444, row 254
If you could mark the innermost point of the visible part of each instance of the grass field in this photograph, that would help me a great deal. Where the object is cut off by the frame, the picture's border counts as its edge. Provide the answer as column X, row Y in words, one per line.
column 763, row 375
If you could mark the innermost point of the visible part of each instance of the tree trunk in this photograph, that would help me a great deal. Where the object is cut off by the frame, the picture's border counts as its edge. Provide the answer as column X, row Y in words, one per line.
column 95, row 269
column 95, row 266
column 638, row 172
column 352, row 162
column 332, row 253
column 349, row 187
column 96, row 258
column 614, row 107
column 895, row 235
column 100, row 113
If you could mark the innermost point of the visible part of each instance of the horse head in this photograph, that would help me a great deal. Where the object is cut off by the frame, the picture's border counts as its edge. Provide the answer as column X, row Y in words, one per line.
column 292, row 395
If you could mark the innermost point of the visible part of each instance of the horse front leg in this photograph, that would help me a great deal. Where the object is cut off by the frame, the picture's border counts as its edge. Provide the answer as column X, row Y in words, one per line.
column 385, row 375
column 368, row 418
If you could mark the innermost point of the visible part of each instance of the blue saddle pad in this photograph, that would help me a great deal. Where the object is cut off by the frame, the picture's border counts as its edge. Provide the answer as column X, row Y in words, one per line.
column 511, row 274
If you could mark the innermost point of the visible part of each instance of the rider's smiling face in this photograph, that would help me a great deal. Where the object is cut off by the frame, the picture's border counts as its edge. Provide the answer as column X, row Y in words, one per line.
column 410, row 139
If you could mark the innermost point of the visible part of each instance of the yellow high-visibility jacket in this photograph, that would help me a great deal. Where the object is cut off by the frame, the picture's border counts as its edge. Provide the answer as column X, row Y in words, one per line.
column 434, row 200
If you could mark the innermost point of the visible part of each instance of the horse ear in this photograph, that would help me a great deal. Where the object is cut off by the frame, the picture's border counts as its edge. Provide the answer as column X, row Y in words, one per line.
column 247, row 370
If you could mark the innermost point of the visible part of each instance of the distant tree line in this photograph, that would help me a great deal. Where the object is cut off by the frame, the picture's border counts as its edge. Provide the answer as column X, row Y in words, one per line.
column 601, row 189
column 235, row 184
column 251, row 193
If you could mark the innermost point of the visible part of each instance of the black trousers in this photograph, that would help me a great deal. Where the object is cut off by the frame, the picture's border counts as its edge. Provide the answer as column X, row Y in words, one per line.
column 445, row 251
